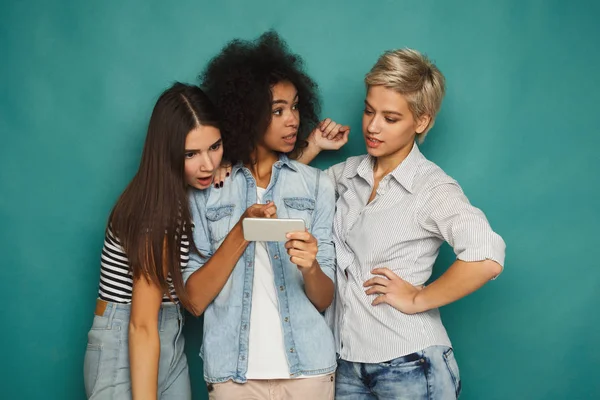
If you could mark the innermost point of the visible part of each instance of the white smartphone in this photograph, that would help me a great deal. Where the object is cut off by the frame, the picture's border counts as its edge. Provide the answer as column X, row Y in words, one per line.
column 270, row 229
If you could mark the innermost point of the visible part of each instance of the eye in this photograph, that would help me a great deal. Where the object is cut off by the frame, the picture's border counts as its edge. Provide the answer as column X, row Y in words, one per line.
column 391, row 120
column 215, row 146
column 189, row 154
column 277, row 111
column 368, row 112
column 295, row 106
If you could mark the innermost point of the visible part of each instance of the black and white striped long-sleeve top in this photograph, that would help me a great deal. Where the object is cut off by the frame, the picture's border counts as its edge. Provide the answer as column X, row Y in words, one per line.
column 116, row 283
column 416, row 208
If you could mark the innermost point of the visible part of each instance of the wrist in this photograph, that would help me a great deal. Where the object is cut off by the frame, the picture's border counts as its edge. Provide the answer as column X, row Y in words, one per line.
column 238, row 230
column 312, row 270
column 313, row 147
column 420, row 302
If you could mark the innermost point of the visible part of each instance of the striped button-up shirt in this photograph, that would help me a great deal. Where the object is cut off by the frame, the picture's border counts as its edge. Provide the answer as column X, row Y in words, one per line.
column 416, row 208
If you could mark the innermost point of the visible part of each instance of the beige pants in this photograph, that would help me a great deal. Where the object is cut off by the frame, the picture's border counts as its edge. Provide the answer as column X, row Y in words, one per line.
column 318, row 388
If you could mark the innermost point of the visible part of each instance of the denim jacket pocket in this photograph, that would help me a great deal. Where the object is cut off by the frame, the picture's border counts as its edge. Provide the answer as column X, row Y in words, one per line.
column 219, row 218
column 300, row 207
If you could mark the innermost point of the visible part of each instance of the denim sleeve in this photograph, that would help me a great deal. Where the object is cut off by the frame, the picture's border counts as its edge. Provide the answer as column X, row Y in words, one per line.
column 197, row 204
column 323, row 225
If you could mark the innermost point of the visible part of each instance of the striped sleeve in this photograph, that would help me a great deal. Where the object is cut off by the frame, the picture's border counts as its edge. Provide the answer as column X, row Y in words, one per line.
column 448, row 214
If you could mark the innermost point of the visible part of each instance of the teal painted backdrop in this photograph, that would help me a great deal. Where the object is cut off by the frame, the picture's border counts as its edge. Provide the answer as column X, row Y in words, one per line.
column 518, row 129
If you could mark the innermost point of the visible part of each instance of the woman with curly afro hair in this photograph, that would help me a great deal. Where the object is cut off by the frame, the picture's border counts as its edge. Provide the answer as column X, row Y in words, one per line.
column 264, row 333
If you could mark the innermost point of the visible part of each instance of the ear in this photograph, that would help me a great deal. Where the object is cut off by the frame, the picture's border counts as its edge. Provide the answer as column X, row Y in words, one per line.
column 422, row 124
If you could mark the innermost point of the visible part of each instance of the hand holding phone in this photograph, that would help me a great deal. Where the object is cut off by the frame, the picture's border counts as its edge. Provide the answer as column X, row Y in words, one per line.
column 302, row 247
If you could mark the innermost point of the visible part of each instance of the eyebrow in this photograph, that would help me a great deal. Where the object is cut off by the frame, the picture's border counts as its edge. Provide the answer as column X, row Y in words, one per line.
column 385, row 111
column 214, row 144
column 283, row 101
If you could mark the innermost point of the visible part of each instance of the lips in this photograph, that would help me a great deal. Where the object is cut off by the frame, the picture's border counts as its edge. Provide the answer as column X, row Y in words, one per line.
column 290, row 139
column 372, row 142
column 206, row 181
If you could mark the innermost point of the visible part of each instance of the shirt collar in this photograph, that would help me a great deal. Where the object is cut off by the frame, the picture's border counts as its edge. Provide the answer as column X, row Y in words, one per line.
column 404, row 173
column 284, row 160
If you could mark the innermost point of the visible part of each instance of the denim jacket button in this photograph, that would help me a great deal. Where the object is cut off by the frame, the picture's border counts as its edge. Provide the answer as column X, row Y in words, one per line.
column 281, row 288
column 276, row 257
column 292, row 350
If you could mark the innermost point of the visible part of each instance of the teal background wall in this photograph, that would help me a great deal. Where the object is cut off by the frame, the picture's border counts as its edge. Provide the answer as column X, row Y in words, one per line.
column 518, row 130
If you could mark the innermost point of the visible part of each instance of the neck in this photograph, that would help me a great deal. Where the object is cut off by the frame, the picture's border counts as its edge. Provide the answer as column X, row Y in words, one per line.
column 262, row 165
column 386, row 164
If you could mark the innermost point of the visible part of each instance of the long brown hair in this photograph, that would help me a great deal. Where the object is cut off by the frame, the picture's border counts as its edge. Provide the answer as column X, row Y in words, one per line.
column 152, row 213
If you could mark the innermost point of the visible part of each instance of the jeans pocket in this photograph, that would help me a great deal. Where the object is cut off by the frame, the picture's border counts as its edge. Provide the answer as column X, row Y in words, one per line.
column 91, row 367
column 452, row 366
column 410, row 360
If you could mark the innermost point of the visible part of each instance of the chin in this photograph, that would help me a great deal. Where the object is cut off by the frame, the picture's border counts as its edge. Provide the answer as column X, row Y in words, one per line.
column 374, row 152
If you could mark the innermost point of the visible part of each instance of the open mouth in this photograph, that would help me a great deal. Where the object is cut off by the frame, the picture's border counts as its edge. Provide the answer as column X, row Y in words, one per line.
column 290, row 139
column 371, row 142
column 205, row 181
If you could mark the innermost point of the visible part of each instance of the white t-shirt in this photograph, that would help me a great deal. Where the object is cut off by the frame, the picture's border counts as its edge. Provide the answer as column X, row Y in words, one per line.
column 266, row 354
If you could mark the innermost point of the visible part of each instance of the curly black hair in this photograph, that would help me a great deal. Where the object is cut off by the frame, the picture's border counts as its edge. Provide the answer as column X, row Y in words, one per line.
column 239, row 82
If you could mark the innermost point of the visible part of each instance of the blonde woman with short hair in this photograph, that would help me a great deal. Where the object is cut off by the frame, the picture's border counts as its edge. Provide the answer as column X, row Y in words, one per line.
column 394, row 209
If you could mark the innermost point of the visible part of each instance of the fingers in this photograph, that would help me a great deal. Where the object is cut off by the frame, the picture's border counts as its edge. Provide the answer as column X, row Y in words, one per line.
column 376, row 281
column 385, row 272
column 269, row 210
column 221, row 173
column 379, row 300
column 300, row 235
column 378, row 290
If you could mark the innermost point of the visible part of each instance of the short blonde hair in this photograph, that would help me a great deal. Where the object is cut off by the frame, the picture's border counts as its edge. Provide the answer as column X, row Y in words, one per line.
column 414, row 76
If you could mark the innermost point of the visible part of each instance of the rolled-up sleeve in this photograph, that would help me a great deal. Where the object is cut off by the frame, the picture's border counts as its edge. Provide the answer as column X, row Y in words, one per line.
column 448, row 214
column 323, row 225
column 200, row 235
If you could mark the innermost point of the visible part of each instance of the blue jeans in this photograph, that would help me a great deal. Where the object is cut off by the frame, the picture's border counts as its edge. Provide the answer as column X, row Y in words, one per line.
column 430, row 374
column 106, row 366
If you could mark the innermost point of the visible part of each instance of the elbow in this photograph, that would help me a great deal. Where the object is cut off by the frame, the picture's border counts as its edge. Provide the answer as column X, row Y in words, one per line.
column 196, row 311
column 141, row 328
column 493, row 269
column 323, row 308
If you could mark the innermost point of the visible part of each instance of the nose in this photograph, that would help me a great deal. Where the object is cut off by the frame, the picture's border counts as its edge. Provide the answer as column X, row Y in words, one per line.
column 373, row 125
column 293, row 119
column 206, row 164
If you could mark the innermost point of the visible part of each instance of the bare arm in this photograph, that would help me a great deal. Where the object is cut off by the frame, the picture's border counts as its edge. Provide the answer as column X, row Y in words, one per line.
column 144, row 341
column 460, row 280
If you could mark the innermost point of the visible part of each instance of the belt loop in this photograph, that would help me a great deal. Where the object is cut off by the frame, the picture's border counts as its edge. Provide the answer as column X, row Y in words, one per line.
column 161, row 317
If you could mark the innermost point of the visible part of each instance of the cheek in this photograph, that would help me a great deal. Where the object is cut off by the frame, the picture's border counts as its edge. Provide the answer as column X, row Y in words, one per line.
column 216, row 157
column 189, row 170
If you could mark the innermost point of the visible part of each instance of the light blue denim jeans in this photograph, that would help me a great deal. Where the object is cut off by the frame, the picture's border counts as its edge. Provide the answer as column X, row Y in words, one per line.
column 430, row 374
column 106, row 366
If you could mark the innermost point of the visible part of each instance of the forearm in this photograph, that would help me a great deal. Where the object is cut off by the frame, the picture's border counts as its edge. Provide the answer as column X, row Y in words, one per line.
column 144, row 354
column 460, row 280
column 206, row 283
column 318, row 287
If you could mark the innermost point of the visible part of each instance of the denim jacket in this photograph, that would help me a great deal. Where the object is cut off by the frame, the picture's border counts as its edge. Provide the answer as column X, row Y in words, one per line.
column 298, row 191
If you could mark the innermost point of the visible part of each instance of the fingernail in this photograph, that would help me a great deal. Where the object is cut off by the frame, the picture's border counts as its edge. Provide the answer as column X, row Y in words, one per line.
column 287, row 235
column 227, row 174
column 221, row 184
